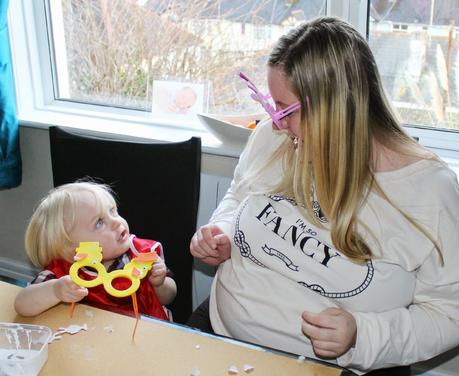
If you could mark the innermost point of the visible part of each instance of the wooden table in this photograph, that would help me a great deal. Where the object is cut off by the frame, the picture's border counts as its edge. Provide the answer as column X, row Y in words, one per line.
column 159, row 348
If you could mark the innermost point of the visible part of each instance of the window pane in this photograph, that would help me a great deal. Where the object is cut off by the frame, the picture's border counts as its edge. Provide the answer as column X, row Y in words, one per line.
column 122, row 52
column 416, row 47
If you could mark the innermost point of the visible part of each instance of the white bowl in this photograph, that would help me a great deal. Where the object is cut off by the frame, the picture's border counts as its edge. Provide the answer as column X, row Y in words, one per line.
column 229, row 129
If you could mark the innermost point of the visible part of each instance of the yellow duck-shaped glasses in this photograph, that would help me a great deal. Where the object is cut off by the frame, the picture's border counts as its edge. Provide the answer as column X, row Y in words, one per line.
column 135, row 270
column 89, row 254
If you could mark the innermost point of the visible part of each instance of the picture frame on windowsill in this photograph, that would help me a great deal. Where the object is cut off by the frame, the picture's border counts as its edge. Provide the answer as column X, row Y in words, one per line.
column 179, row 99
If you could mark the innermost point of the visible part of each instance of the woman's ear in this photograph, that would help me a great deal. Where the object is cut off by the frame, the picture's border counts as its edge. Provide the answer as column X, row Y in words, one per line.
column 283, row 123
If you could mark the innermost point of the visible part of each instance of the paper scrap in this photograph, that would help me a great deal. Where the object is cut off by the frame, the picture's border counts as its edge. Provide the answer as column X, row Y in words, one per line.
column 248, row 368
column 232, row 370
column 109, row 329
column 89, row 313
column 54, row 337
column 72, row 329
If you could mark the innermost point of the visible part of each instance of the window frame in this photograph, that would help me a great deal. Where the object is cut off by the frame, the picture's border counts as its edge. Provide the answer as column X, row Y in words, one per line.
column 442, row 141
column 36, row 106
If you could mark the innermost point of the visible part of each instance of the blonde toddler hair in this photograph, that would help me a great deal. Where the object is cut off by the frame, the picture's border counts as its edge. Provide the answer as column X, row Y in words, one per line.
column 47, row 235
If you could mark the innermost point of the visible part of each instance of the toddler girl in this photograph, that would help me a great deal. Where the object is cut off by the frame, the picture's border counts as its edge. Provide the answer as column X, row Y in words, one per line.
column 87, row 212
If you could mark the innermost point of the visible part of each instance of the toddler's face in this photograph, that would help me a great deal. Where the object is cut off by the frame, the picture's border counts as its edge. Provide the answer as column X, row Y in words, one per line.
column 99, row 221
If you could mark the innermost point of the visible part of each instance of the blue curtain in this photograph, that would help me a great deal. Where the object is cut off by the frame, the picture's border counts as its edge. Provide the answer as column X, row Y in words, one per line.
column 10, row 155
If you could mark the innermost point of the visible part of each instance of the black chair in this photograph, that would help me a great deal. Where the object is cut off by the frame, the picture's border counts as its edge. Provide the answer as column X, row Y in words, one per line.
column 157, row 186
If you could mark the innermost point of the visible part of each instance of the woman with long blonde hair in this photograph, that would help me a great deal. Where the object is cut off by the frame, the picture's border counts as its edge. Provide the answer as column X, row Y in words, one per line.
column 338, row 237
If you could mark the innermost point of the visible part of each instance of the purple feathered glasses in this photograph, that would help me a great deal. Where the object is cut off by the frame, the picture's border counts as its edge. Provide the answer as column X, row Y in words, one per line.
column 276, row 116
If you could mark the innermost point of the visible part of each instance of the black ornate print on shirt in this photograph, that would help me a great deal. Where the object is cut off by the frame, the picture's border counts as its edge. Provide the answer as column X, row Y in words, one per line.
column 314, row 203
column 239, row 240
column 284, row 258
column 279, row 198
column 345, row 294
column 316, row 208
column 318, row 212
column 293, row 236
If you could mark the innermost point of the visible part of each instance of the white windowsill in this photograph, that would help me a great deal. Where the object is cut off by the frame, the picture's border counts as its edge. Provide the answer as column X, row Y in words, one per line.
column 125, row 125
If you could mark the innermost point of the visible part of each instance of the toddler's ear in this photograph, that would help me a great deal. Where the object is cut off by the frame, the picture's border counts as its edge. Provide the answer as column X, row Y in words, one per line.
column 68, row 251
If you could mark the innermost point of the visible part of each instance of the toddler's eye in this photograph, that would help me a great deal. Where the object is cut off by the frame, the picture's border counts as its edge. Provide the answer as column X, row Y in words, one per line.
column 113, row 211
column 99, row 223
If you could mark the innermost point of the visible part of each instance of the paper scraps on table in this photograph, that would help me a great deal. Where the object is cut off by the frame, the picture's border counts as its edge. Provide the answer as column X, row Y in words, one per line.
column 109, row 329
column 232, row 370
column 301, row 359
column 248, row 368
column 195, row 372
column 89, row 313
column 71, row 329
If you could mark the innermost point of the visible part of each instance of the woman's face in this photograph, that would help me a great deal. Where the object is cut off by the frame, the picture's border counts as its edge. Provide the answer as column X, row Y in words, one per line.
column 283, row 96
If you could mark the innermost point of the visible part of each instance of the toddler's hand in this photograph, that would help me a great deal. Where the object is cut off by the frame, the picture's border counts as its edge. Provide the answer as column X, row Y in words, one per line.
column 332, row 332
column 67, row 291
column 158, row 273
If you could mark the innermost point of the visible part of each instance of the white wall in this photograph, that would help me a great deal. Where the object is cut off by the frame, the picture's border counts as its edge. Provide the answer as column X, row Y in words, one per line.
column 16, row 204
column 213, row 187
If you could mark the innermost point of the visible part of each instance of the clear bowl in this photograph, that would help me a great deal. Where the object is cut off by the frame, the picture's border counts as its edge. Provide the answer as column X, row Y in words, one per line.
column 23, row 348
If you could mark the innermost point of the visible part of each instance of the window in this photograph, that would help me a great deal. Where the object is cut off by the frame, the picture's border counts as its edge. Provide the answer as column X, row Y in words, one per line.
column 101, row 63
column 115, row 52
column 416, row 47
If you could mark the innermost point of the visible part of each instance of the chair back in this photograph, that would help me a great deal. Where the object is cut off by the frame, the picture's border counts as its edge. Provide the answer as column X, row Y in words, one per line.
column 157, row 188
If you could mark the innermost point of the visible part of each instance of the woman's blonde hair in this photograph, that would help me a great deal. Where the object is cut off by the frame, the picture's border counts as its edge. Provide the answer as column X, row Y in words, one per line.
column 47, row 235
column 331, row 69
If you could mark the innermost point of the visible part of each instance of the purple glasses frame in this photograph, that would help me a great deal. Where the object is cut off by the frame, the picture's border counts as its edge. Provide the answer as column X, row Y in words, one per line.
column 276, row 116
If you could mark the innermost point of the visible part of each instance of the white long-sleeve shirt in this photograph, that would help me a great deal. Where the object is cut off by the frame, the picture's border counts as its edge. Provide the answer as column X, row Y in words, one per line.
column 406, row 304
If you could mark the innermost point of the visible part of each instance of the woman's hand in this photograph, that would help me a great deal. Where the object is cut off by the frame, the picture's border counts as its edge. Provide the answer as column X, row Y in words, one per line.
column 68, row 291
column 158, row 273
column 332, row 332
column 210, row 245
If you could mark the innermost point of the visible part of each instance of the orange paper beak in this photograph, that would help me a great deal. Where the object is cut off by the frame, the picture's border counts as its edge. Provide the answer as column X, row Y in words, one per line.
column 135, row 272
column 80, row 256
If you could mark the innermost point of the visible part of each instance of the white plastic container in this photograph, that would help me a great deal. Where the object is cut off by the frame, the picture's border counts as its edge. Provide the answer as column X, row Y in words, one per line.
column 230, row 130
column 23, row 349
